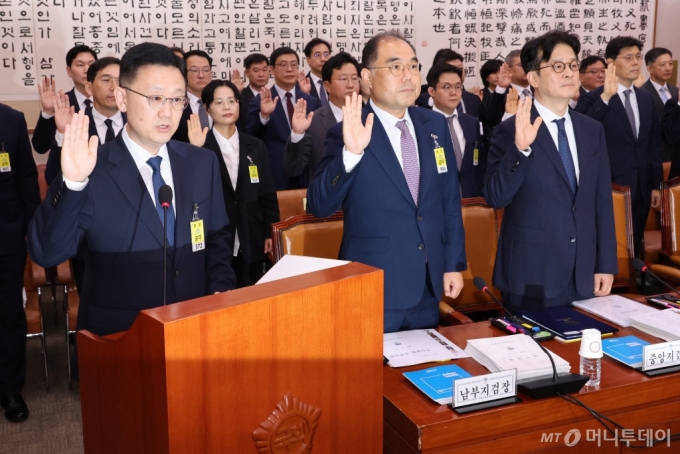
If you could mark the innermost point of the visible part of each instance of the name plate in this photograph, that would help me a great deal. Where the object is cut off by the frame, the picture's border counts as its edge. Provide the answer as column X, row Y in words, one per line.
column 484, row 388
column 657, row 356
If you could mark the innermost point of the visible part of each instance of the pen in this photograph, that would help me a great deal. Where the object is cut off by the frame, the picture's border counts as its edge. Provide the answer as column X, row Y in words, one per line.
column 504, row 325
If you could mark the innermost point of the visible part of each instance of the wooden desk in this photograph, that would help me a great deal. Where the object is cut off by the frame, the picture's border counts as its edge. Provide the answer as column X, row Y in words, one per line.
column 415, row 424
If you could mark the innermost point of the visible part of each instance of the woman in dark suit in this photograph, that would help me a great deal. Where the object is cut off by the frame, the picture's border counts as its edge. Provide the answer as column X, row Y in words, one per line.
column 249, row 192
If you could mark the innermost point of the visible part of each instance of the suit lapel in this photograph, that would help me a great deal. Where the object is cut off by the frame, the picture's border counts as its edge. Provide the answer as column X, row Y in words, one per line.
column 655, row 95
column 583, row 150
column 183, row 181
column 313, row 92
column 73, row 100
column 92, row 127
column 278, row 110
column 327, row 118
column 616, row 103
column 425, row 149
column 243, row 162
column 545, row 141
column 643, row 106
column 211, row 144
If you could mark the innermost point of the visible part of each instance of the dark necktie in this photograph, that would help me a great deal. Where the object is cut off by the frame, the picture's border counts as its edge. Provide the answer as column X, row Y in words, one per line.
column 322, row 94
column 110, row 135
column 565, row 153
column 527, row 93
column 203, row 115
column 290, row 107
column 629, row 113
column 456, row 142
column 158, row 181
column 409, row 157
column 88, row 106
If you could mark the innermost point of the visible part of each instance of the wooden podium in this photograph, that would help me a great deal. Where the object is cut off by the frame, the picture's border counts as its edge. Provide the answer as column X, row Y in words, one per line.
column 292, row 366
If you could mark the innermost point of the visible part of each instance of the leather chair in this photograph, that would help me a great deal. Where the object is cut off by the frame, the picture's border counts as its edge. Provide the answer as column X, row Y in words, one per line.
column 34, row 319
column 308, row 235
column 652, row 235
column 623, row 224
column 669, row 267
column 292, row 203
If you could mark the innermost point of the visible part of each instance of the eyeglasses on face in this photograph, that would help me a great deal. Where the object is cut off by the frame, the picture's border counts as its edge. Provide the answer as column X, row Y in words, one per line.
column 286, row 65
column 559, row 66
column 321, row 54
column 219, row 102
column 195, row 71
column 630, row 57
column 596, row 72
column 158, row 101
column 344, row 80
column 449, row 87
column 397, row 69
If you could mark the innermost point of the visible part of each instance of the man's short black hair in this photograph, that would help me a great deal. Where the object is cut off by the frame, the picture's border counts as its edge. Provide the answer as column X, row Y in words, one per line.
column 336, row 62
column 147, row 54
column 489, row 67
column 98, row 65
column 197, row 53
column 370, row 52
column 446, row 55
column 588, row 61
column 620, row 42
column 653, row 54
column 254, row 59
column 74, row 51
column 208, row 93
column 282, row 51
column 540, row 49
column 436, row 72
column 313, row 43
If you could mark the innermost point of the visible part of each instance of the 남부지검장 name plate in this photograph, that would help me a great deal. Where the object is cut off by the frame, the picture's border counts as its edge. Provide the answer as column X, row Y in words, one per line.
column 485, row 391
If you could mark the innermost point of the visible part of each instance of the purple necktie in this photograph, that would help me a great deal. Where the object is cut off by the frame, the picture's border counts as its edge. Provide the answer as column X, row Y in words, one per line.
column 409, row 157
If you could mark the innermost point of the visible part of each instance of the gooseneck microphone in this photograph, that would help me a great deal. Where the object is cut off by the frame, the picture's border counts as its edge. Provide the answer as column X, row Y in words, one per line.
column 640, row 266
column 165, row 199
column 543, row 387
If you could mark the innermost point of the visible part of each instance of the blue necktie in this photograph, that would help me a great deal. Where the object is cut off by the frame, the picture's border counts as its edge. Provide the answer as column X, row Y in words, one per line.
column 629, row 112
column 664, row 96
column 565, row 153
column 158, row 181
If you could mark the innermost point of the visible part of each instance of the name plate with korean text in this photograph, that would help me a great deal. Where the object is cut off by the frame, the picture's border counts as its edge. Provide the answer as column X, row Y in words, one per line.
column 658, row 356
column 484, row 388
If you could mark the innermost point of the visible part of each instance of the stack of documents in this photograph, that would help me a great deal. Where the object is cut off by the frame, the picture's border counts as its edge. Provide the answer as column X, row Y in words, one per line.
column 627, row 349
column 614, row 308
column 663, row 324
column 437, row 382
column 407, row 348
column 515, row 352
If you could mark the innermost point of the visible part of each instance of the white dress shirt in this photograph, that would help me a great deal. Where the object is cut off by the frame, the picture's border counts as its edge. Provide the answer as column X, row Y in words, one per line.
column 658, row 88
column 81, row 103
column 457, row 128
column 548, row 116
column 101, row 126
column 281, row 93
column 230, row 154
column 194, row 102
column 315, row 80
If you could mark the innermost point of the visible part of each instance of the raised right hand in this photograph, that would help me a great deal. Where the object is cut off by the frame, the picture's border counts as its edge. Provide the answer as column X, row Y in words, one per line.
column 48, row 94
column 301, row 121
column 504, row 76
column 611, row 83
column 525, row 132
column 511, row 101
column 196, row 135
column 355, row 135
column 62, row 112
column 78, row 155
column 267, row 106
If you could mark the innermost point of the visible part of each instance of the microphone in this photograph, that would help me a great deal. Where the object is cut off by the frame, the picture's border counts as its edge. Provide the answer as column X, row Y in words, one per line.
column 640, row 266
column 544, row 387
column 165, row 199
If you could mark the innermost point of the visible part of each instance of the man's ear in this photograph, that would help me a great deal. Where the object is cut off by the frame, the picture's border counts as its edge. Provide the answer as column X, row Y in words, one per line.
column 88, row 88
column 121, row 98
column 367, row 75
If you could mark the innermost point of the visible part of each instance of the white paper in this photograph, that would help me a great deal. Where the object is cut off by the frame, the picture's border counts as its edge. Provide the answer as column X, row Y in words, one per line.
column 407, row 348
column 615, row 308
column 664, row 324
column 295, row 265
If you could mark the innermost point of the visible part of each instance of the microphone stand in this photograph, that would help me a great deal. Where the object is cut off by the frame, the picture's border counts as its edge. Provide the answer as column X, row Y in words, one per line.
column 165, row 253
column 640, row 266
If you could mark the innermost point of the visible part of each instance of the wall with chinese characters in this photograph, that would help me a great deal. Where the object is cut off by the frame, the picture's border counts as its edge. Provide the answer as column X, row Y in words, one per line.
column 35, row 34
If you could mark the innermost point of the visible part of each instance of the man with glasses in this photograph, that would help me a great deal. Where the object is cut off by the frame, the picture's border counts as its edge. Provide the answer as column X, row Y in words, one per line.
column 548, row 168
column 632, row 127
column 391, row 168
column 317, row 52
column 107, row 198
column 591, row 73
column 304, row 150
column 199, row 74
column 271, row 112
column 659, row 63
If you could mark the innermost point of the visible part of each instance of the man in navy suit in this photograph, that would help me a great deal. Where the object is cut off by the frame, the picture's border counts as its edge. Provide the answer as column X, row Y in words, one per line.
column 271, row 111
column 78, row 60
column 659, row 63
column 107, row 199
column 257, row 72
column 548, row 168
column 396, row 181
column 199, row 74
column 632, row 127
column 317, row 52
column 445, row 86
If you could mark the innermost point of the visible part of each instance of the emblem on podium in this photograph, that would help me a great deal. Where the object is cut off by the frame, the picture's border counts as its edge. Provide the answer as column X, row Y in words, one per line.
column 289, row 429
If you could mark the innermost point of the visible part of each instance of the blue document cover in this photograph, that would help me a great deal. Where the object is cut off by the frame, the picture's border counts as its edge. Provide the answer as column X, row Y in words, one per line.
column 437, row 382
column 565, row 322
column 627, row 349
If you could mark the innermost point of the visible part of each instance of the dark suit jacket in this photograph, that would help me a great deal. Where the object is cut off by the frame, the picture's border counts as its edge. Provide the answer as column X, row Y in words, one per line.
column 666, row 149
column 671, row 133
column 122, row 236
column 548, row 233
column 43, row 134
column 314, row 92
column 307, row 153
column 383, row 227
column 253, row 207
column 244, row 103
column 471, row 101
column 182, row 133
column 276, row 133
column 471, row 176
column 19, row 192
column 634, row 163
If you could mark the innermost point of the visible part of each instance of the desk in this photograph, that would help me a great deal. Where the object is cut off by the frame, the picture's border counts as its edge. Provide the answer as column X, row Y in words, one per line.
column 415, row 424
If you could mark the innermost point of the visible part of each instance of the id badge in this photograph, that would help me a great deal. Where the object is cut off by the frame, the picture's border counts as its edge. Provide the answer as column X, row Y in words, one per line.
column 254, row 176
column 440, row 159
column 475, row 156
column 4, row 162
column 197, row 233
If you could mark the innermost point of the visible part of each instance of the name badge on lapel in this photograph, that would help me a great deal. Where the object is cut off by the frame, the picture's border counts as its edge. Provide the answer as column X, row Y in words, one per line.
column 439, row 156
column 197, row 235
column 475, row 156
column 4, row 159
column 252, row 170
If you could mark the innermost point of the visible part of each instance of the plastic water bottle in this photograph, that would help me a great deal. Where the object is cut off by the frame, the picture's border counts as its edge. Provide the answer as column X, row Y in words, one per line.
column 591, row 356
column 592, row 368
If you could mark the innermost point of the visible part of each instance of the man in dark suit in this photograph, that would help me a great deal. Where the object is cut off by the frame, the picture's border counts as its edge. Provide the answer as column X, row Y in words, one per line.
column 269, row 119
column 78, row 60
column 548, row 168
column 304, row 149
column 445, row 86
column 671, row 133
column 199, row 74
column 632, row 128
column 257, row 72
column 391, row 169
column 591, row 74
column 659, row 63
column 19, row 198
column 317, row 52
column 108, row 201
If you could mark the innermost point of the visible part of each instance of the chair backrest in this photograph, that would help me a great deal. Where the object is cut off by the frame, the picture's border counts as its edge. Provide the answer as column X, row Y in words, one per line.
column 482, row 227
column 42, row 184
column 670, row 216
column 292, row 203
column 309, row 236
column 623, row 225
column 32, row 309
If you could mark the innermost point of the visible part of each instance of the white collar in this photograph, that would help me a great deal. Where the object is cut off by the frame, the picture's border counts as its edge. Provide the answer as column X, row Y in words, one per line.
column 388, row 120
column 454, row 114
column 80, row 98
column 232, row 143
column 623, row 88
column 337, row 112
column 658, row 87
column 139, row 154
column 99, row 119
column 548, row 115
column 519, row 89
column 315, row 80
column 282, row 93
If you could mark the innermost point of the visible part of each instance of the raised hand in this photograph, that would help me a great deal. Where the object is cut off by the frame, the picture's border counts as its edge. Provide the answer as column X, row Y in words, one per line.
column 504, row 76
column 48, row 95
column 611, row 83
column 511, row 101
column 304, row 83
column 196, row 135
column 78, row 154
column 640, row 81
column 525, row 132
column 477, row 90
column 237, row 80
column 301, row 121
column 62, row 111
column 267, row 106
column 355, row 135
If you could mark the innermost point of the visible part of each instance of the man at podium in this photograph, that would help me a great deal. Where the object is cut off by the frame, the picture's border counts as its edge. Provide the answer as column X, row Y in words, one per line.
column 396, row 181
